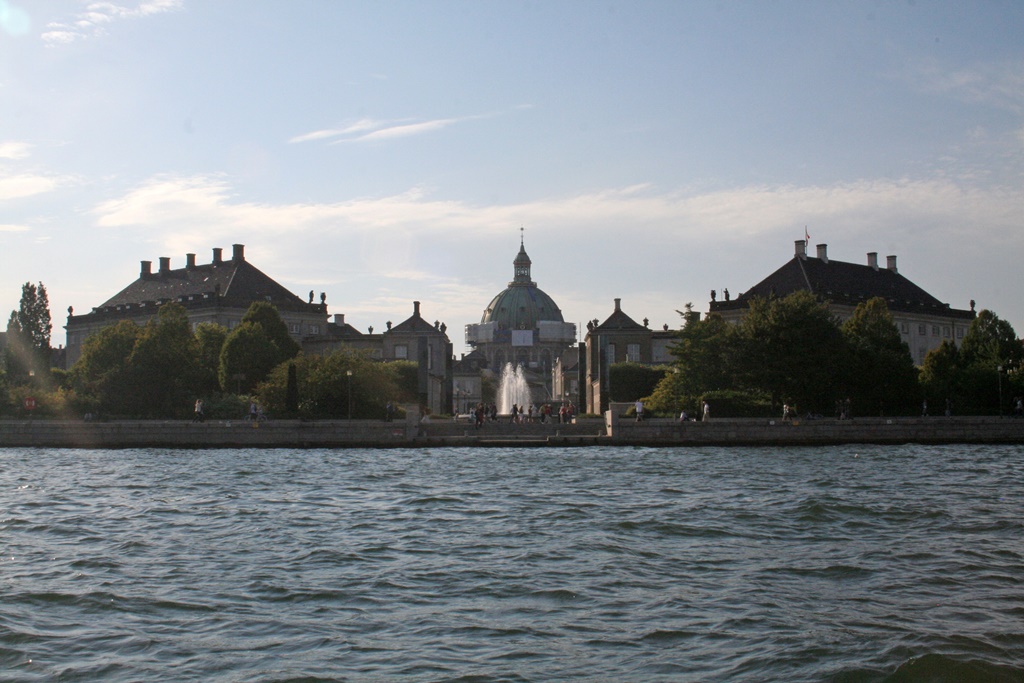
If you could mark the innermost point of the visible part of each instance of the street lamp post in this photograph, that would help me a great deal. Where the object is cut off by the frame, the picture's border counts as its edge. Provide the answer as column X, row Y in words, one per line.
column 348, row 373
column 999, row 371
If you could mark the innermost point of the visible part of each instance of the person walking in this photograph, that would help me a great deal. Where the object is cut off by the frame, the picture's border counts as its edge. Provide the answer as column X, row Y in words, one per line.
column 705, row 413
column 639, row 410
column 199, row 416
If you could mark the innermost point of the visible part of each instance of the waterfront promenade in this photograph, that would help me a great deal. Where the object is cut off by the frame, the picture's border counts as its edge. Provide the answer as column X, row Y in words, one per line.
column 614, row 429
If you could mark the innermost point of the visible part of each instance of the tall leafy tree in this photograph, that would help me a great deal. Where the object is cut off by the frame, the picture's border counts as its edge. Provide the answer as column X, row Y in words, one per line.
column 991, row 341
column 267, row 316
column 882, row 374
column 28, row 336
column 164, row 365
column 102, row 376
column 34, row 316
column 793, row 350
column 251, row 350
column 940, row 374
column 705, row 354
column 210, row 342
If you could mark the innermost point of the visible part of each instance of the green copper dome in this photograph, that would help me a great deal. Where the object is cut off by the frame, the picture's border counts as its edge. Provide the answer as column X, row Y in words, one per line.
column 522, row 304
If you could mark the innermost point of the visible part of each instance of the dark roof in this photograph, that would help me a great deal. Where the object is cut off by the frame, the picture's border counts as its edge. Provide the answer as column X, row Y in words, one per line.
column 843, row 283
column 415, row 324
column 619, row 321
column 236, row 281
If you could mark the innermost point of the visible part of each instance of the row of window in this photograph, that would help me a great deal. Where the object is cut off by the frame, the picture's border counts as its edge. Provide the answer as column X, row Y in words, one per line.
column 922, row 330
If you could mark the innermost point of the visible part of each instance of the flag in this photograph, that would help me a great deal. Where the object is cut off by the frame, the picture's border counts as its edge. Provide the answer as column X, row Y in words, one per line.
column 807, row 237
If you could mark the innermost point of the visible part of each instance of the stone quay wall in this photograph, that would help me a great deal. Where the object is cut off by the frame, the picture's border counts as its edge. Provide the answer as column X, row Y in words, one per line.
column 411, row 432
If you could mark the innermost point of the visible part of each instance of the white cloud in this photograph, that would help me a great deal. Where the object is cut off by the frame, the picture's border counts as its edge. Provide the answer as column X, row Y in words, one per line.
column 370, row 129
column 25, row 185
column 656, row 249
column 359, row 126
column 13, row 228
column 92, row 21
column 207, row 203
column 998, row 84
column 14, row 150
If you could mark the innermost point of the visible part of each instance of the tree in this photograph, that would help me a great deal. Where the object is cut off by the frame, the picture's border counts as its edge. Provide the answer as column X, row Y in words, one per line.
column 164, row 365
column 254, row 348
column 323, row 385
column 940, row 374
column 101, row 375
column 990, row 344
column 266, row 315
column 792, row 349
column 632, row 381
column 28, row 337
column 34, row 317
column 247, row 357
column 705, row 354
column 991, row 341
column 210, row 339
column 882, row 371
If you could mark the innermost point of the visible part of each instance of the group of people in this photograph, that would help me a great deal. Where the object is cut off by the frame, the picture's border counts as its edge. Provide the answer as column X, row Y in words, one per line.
column 256, row 413
column 520, row 414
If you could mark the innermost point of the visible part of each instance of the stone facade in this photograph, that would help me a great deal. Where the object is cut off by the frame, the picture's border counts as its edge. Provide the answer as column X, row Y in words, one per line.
column 619, row 339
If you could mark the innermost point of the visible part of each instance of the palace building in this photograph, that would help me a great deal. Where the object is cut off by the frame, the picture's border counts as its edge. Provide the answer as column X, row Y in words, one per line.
column 924, row 322
column 221, row 292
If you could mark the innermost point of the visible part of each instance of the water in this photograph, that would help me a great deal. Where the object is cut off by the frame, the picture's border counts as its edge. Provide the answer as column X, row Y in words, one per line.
column 512, row 389
column 818, row 564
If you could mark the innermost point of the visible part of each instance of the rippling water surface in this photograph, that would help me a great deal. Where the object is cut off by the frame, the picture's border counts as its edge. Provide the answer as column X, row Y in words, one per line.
column 635, row 564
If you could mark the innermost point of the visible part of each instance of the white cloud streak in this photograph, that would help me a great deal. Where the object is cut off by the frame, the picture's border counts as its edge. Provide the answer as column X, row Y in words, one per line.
column 993, row 84
column 665, row 247
column 96, row 16
column 370, row 129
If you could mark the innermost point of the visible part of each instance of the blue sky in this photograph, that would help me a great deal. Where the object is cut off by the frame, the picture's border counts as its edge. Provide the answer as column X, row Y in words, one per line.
column 385, row 152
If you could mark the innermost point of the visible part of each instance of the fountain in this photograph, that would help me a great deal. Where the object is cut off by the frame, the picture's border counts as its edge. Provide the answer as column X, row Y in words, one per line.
column 512, row 389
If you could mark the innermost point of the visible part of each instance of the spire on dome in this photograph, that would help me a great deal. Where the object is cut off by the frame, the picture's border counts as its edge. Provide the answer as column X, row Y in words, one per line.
column 522, row 265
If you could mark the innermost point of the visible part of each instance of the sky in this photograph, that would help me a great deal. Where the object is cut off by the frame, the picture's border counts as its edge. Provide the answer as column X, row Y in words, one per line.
column 383, row 152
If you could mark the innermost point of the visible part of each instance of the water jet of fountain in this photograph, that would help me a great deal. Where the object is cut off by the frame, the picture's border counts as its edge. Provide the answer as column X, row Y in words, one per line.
column 512, row 389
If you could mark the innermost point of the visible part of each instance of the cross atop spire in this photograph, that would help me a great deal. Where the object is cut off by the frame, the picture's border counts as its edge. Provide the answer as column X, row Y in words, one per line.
column 521, row 231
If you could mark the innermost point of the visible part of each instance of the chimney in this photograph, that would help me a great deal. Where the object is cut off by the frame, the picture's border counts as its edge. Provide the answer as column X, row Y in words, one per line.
column 339, row 319
column 165, row 264
column 416, row 309
column 147, row 268
column 890, row 263
column 823, row 253
column 873, row 259
column 801, row 249
column 217, row 257
column 238, row 252
column 190, row 261
column 618, row 304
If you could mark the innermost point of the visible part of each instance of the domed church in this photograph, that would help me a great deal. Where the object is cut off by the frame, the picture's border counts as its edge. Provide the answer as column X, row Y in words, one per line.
column 522, row 325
